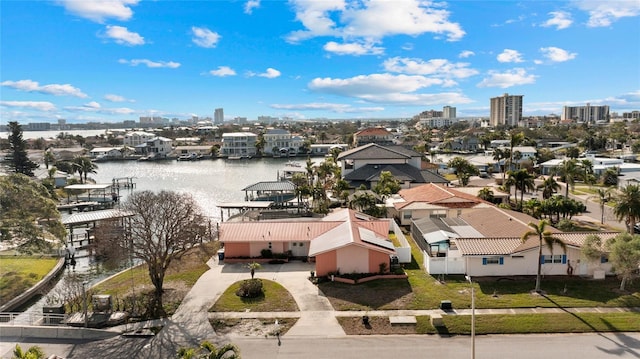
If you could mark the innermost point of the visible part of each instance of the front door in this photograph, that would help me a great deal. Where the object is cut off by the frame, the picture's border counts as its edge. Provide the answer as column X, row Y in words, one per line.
column 299, row 249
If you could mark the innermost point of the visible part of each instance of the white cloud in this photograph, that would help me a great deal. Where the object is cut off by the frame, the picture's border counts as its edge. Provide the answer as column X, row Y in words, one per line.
column 92, row 105
column 100, row 10
column 52, row 89
column 123, row 36
column 36, row 105
column 353, row 48
column 151, row 64
column 556, row 54
column 204, row 37
column 116, row 98
column 250, row 5
column 509, row 55
column 223, row 71
column 388, row 89
column 372, row 19
column 604, row 13
column 517, row 76
column 332, row 107
column 270, row 73
column 434, row 67
column 559, row 19
column 466, row 53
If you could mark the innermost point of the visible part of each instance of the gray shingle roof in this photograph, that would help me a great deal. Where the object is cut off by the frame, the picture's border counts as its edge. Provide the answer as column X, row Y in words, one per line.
column 375, row 151
column 402, row 172
column 271, row 186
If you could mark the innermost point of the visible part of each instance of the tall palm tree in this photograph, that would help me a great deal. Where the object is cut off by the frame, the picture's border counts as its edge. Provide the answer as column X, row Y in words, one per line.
column 627, row 206
column 515, row 139
column 604, row 196
column 538, row 230
column 523, row 182
column 498, row 155
column 549, row 186
column 84, row 166
column 568, row 170
column 49, row 158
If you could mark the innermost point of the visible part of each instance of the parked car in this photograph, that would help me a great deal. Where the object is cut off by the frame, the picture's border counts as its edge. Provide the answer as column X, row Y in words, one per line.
column 636, row 228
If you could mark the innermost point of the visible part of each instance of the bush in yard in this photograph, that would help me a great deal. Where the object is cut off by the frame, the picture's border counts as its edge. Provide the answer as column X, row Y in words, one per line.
column 266, row 253
column 250, row 288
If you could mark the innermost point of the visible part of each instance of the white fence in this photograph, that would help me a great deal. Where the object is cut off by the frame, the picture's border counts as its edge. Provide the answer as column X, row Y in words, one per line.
column 42, row 319
column 444, row 265
column 404, row 251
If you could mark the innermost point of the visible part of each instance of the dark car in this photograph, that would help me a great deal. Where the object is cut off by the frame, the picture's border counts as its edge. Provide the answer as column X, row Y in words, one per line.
column 636, row 228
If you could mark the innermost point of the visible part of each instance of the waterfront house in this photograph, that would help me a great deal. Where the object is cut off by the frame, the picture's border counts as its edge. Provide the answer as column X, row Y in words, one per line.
column 363, row 165
column 106, row 153
column 280, row 142
column 324, row 149
column 344, row 241
column 238, row 144
column 136, row 138
column 59, row 178
column 155, row 148
column 377, row 135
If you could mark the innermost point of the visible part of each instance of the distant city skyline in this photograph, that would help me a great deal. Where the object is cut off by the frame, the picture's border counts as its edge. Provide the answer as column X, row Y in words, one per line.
column 119, row 60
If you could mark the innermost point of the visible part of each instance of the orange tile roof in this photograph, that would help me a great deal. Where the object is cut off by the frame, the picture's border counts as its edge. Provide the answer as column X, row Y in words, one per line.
column 437, row 194
column 373, row 131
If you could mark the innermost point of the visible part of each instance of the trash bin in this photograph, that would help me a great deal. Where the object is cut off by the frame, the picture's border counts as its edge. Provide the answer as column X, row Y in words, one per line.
column 221, row 255
column 446, row 305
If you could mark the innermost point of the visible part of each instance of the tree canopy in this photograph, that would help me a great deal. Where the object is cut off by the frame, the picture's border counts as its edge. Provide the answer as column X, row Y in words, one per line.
column 19, row 161
column 28, row 211
column 163, row 227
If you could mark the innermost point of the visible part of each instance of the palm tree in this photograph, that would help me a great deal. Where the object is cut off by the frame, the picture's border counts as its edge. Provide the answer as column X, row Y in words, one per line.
column 486, row 194
column 523, row 182
column 253, row 266
column 538, row 230
column 209, row 351
column 84, row 166
column 34, row 352
column 549, row 186
column 627, row 206
column 498, row 155
column 49, row 158
column 514, row 140
column 604, row 196
column 568, row 170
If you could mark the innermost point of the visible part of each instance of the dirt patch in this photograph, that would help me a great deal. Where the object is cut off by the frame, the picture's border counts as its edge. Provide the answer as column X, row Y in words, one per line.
column 252, row 327
column 376, row 326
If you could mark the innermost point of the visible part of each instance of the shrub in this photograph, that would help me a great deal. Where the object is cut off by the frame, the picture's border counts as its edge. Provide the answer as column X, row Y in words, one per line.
column 250, row 288
column 266, row 253
column 565, row 225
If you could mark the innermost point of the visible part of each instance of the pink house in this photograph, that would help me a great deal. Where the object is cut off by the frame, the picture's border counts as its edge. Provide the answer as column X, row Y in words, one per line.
column 345, row 241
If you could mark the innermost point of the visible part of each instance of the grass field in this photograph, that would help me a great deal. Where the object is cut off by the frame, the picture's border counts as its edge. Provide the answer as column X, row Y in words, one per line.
column 423, row 291
column 180, row 277
column 275, row 299
column 18, row 273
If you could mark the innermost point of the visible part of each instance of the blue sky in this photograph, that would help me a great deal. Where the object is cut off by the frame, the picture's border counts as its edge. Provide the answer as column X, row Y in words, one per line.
column 117, row 60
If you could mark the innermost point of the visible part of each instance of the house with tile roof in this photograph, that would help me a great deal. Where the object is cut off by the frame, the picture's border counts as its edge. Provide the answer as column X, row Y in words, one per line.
column 430, row 200
column 345, row 241
column 363, row 165
column 487, row 242
column 377, row 135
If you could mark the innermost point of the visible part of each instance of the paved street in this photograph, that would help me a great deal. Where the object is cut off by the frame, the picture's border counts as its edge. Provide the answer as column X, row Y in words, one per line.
column 565, row 346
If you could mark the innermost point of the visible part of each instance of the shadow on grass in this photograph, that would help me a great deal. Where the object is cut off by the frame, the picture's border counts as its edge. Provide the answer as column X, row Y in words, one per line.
column 374, row 295
column 253, row 300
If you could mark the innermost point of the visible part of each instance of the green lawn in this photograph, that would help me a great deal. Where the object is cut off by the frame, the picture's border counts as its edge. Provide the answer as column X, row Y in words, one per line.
column 423, row 291
column 180, row 277
column 542, row 323
column 276, row 298
column 19, row 273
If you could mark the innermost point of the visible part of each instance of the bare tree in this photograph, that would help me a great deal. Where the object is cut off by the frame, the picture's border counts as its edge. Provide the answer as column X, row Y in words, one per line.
column 163, row 227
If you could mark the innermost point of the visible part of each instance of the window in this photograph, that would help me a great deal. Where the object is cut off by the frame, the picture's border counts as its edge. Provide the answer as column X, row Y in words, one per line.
column 295, row 244
column 406, row 214
column 301, row 244
column 492, row 261
column 269, row 245
column 604, row 258
column 551, row 259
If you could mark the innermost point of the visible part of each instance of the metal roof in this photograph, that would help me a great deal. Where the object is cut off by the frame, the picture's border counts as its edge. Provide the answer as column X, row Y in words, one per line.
column 94, row 216
column 271, row 186
column 88, row 187
column 250, row 204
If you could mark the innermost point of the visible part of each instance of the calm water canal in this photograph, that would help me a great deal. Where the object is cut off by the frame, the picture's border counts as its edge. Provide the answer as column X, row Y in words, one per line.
column 209, row 181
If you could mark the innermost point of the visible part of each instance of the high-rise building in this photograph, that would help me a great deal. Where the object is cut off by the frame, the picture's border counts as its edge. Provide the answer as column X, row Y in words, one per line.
column 506, row 110
column 218, row 116
column 449, row 112
column 586, row 114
